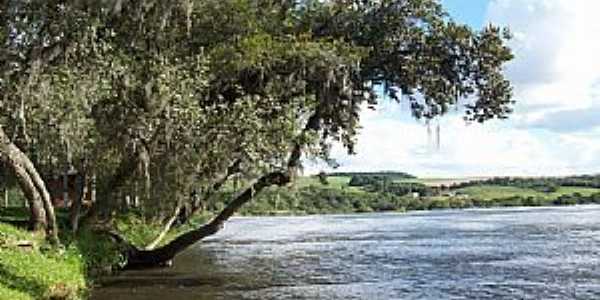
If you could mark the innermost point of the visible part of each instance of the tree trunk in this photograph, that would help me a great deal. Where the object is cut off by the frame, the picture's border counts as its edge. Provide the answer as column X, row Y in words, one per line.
column 12, row 159
column 137, row 258
column 37, row 214
column 32, row 185
column 77, row 202
column 5, row 197
column 51, row 226
column 196, row 204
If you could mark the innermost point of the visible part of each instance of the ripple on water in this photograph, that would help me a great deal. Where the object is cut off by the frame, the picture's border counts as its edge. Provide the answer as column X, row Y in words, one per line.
column 542, row 253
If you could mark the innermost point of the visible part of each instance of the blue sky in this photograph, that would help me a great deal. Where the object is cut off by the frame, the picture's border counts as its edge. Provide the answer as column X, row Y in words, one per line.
column 555, row 129
column 471, row 12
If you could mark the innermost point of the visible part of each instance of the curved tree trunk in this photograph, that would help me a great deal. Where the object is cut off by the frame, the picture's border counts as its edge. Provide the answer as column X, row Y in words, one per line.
column 34, row 188
column 40, row 185
column 37, row 214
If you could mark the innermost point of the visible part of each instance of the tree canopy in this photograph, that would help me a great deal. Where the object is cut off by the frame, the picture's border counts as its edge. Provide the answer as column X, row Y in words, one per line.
column 162, row 98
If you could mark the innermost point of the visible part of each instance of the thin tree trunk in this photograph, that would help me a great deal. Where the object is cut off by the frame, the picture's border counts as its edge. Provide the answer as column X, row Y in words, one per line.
column 65, row 188
column 93, row 188
column 76, row 206
column 32, row 185
column 68, row 169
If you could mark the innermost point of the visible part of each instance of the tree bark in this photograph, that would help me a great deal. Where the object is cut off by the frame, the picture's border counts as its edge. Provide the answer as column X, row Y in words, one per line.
column 13, row 159
column 75, row 210
column 40, row 185
column 5, row 197
column 37, row 214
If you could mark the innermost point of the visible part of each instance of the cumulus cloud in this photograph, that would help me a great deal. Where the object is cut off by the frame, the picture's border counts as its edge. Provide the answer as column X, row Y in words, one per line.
column 557, row 62
column 555, row 129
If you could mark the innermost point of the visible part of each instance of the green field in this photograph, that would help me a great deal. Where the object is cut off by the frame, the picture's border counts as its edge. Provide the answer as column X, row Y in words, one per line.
column 333, row 182
column 488, row 192
column 483, row 192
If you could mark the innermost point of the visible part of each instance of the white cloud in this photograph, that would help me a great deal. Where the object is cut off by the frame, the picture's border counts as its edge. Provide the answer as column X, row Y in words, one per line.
column 557, row 63
column 555, row 129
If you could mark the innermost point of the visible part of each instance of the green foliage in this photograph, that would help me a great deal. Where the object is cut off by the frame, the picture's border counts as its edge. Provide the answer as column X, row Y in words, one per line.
column 158, row 98
column 542, row 184
column 98, row 253
column 141, row 232
column 310, row 197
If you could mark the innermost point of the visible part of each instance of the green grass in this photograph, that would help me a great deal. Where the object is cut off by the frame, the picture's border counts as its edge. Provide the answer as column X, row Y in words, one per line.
column 334, row 182
column 489, row 192
column 572, row 190
column 37, row 273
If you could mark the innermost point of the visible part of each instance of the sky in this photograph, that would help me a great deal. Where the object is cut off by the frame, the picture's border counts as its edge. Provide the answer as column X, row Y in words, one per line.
column 555, row 128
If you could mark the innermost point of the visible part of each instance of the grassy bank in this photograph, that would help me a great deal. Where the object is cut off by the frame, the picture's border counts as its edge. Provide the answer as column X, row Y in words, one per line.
column 30, row 269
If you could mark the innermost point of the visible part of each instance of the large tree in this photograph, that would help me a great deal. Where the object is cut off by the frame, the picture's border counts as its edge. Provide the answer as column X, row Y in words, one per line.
column 159, row 98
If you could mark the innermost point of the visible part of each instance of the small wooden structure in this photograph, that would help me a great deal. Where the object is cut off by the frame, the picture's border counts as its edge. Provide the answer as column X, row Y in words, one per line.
column 66, row 188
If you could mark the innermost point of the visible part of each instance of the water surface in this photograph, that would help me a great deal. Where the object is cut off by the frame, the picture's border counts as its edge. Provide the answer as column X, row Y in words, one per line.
column 522, row 253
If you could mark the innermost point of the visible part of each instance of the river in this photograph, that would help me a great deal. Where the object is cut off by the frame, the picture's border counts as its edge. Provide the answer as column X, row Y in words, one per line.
column 519, row 253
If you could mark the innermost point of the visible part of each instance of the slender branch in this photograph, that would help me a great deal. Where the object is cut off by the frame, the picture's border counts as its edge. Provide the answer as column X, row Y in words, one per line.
column 166, row 229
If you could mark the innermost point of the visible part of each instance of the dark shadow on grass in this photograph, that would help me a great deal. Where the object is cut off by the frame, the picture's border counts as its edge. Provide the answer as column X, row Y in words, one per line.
column 21, row 284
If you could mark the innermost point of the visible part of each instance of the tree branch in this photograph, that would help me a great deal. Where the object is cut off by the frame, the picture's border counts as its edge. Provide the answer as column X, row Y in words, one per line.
column 147, row 258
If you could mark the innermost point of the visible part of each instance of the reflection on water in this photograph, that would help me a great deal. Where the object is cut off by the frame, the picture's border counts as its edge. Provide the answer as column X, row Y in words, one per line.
column 539, row 253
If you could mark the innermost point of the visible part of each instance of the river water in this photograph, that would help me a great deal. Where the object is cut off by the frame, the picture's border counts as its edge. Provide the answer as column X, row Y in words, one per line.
column 521, row 253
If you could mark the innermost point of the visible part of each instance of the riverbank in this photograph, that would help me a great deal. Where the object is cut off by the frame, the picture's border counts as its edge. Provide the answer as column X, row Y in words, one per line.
column 32, row 269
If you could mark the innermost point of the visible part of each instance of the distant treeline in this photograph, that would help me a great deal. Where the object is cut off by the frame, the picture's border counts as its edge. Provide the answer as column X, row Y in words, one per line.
column 542, row 184
column 381, row 174
column 325, row 200
column 368, row 192
column 382, row 184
